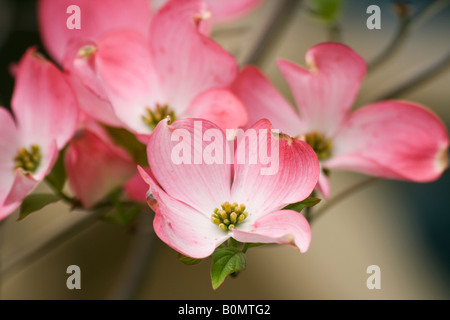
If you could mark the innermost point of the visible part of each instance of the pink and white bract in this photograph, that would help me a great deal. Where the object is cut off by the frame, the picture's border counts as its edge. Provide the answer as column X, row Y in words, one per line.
column 132, row 73
column 45, row 118
column 389, row 139
column 189, row 194
column 95, row 166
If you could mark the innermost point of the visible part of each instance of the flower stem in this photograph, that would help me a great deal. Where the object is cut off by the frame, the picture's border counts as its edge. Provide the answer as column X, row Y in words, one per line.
column 341, row 196
column 307, row 214
column 72, row 201
column 140, row 259
column 334, row 32
column 232, row 242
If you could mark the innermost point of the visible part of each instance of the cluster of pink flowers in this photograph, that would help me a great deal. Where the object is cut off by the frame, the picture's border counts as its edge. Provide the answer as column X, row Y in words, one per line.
column 151, row 69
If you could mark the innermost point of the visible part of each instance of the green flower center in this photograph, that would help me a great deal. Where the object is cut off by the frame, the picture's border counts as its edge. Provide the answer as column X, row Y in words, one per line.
column 229, row 216
column 153, row 117
column 320, row 144
column 28, row 159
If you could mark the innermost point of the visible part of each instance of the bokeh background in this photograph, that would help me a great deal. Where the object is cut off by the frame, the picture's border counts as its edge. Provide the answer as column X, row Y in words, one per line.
column 402, row 227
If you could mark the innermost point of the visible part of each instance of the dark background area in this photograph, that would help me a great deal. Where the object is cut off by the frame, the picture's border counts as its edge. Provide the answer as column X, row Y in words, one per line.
column 19, row 31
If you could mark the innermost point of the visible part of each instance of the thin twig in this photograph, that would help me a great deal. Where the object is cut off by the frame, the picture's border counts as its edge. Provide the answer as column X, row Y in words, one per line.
column 341, row 196
column 334, row 32
column 307, row 213
column 35, row 253
column 139, row 260
column 403, row 31
column 271, row 33
column 426, row 75
column 393, row 47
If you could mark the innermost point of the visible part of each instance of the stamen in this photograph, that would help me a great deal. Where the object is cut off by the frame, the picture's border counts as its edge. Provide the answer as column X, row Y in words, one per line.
column 28, row 159
column 320, row 144
column 229, row 216
column 153, row 117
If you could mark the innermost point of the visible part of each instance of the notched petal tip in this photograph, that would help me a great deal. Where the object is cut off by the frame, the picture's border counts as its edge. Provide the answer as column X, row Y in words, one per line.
column 87, row 51
column 312, row 67
column 168, row 120
column 38, row 55
column 151, row 200
column 205, row 14
column 282, row 136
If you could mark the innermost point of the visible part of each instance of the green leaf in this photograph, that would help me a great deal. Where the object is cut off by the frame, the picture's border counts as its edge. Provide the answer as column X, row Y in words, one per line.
column 123, row 213
column 326, row 10
column 125, row 139
column 188, row 260
column 299, row 206
column 35, row 202
column 124, row 217
column 248, row 245
column 57, row 176
column 224, row 262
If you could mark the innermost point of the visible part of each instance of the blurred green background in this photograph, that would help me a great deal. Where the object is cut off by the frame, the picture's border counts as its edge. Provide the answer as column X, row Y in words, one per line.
column 401, row 227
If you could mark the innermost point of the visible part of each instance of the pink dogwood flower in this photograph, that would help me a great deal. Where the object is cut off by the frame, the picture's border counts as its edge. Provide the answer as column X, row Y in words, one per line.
column 95, row 165
column 390, row 139
column 178, row 72
column 45, row 117
column 64, row 43
column 199, row 204
column 134, row 71
column 136, row 189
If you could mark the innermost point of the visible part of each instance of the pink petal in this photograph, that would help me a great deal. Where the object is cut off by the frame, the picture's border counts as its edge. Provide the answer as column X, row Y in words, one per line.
column 180, row 161
column 17, row 184
column 44, row 104
column 392, row 139
column 323, row 185
column 183, row 228
column 326, row 92
column 96, row 18
column 125, row 68
column 263, row 101
column 283, row 227
column 9, row 145
column 82, row 75
column 187, row 62
column 136, row 188
column 9, row 141
column 95, row 167
column 219, row 106
column 289, row 176
column 223, row 11
column 21, row 186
